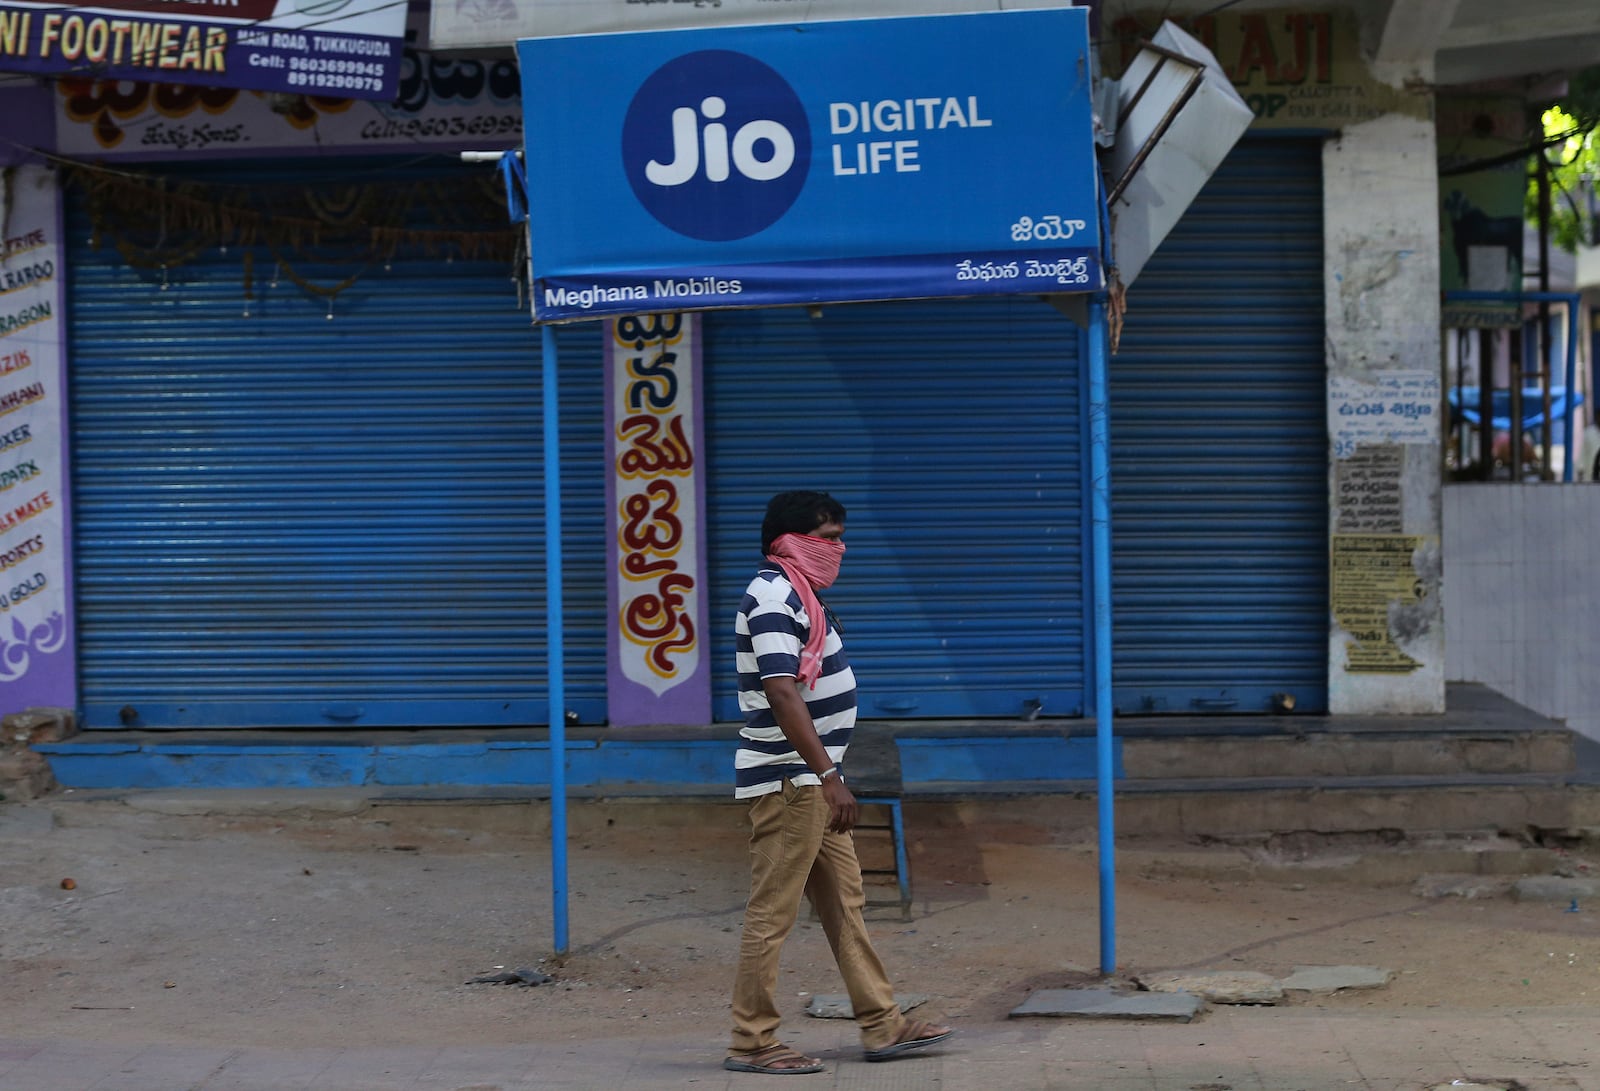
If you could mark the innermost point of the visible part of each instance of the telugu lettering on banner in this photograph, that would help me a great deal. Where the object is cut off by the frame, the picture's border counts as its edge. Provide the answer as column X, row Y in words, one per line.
column 657, row 668
column 439, row 103
column 37, row 662
column 1367, row 493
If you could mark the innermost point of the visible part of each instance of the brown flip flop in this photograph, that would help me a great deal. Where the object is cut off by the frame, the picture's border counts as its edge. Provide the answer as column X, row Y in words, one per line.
column 775, row 1060
column 913, row 1035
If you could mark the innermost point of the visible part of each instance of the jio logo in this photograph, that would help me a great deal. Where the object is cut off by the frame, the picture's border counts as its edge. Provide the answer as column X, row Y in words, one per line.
column 716, row 145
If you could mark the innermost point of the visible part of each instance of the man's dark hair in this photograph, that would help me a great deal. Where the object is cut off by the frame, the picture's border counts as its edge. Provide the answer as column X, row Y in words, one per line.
column 797, row 513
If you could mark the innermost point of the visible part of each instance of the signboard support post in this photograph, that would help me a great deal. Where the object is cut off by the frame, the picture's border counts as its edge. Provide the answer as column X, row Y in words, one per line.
column 1098, row 410
column 555, row 638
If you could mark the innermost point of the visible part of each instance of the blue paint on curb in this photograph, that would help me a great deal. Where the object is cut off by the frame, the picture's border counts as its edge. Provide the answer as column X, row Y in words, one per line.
column 668, row 763
column 998, row 759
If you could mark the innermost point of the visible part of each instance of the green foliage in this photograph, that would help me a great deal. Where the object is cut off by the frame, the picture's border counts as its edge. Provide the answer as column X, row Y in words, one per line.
column 1583, row 97
column 1574, row 158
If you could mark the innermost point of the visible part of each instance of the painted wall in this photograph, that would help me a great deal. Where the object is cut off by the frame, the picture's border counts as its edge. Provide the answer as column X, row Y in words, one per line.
column 1386, row 634
column 1519, row 565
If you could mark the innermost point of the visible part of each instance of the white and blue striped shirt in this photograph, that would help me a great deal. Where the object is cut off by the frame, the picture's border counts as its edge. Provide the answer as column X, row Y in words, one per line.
column 769, row 632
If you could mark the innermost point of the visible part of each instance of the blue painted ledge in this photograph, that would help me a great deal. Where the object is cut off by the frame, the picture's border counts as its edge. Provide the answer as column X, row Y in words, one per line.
column 689, row 764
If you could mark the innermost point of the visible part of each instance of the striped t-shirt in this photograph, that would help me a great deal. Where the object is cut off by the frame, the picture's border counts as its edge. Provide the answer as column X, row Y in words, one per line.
column 769, row 632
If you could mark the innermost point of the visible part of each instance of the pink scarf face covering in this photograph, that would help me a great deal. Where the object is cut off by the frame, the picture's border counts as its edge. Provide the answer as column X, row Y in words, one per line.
column 810, row 563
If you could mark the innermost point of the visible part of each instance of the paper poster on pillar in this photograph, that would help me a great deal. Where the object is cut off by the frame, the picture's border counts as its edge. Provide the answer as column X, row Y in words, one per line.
column 1378, row 597
column 658, row 671
column 37, row 661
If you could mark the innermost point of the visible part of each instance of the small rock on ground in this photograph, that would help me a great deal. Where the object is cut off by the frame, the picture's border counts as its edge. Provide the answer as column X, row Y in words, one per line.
column 1328, row 979
column 1217, row 986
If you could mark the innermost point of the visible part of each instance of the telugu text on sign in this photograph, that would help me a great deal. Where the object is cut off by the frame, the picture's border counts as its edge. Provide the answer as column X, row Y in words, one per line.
column 656, row 584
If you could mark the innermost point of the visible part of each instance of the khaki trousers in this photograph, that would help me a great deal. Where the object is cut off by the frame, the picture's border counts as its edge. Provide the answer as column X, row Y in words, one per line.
column 791, row 852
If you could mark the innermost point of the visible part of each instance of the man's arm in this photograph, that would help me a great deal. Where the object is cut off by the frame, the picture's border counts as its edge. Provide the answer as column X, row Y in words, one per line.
column 794, row 720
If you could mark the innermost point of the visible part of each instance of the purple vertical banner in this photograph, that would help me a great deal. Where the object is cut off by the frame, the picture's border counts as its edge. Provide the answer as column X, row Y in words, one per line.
column 658, row 669
column 38, row 664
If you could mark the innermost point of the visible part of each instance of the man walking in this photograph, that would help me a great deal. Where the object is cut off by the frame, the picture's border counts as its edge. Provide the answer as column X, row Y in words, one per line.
column 798, row 696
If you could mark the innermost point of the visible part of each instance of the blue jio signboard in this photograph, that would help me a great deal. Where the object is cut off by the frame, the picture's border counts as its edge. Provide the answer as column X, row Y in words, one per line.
column 823, row 162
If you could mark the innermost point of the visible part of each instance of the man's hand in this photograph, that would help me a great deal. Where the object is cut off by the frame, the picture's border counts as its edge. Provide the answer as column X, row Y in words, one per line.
column 842, row 807
column 794, row 720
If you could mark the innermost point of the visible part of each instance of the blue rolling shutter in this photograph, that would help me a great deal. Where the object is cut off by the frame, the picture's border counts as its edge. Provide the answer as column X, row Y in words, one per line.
column 950, row 432
column 1219, row 465
column 290, row 520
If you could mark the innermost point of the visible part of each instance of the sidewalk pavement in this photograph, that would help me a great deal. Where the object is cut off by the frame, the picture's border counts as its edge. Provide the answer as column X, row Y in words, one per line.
column 1226, row 1049
column 262, row 920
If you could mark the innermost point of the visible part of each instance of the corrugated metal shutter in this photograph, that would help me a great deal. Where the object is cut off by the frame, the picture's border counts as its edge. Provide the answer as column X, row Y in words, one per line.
column 1219, row 463
column 950, row 431
column 290, row 520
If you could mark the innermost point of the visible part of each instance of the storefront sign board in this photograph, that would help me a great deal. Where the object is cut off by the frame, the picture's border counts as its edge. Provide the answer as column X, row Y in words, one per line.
column 658, row 672
column 771, row 165
column 37, row 653
column 349, row 48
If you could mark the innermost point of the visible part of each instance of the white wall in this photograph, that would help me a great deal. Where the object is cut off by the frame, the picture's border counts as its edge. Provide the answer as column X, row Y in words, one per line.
column 1521, row 613
column 1381, row 257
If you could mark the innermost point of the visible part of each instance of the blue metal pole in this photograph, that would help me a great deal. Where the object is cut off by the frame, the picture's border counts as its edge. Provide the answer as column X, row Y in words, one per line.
column 1086, row 518
column 1594, row 363
column 1100, row 557
column 1570, row 420
column 555, row 640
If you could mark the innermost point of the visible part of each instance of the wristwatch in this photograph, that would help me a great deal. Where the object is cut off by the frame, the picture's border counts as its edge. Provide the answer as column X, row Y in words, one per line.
column 830, row 771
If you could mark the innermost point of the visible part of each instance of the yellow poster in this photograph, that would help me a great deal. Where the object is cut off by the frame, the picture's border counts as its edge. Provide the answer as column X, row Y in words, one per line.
column 1371, row 573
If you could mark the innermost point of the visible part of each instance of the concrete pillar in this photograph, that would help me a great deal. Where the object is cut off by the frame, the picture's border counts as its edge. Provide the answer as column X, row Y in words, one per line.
column 1386, row 632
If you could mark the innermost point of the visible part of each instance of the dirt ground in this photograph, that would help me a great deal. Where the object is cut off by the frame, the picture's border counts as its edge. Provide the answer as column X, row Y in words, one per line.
column 308, row 931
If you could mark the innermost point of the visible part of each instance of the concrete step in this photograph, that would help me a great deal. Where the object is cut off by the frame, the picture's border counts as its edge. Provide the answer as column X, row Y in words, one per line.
column 1486, row 765
column 1336, row 753
column 1306, row 838
column 1527, row 806
column 1526, row 810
